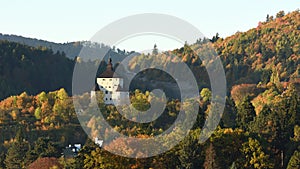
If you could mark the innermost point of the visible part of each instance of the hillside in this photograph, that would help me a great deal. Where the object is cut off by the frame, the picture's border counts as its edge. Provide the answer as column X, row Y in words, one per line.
column 70, row 49
column 271, row 48
column 36, row 69
column 260, row 126
column 24, row 68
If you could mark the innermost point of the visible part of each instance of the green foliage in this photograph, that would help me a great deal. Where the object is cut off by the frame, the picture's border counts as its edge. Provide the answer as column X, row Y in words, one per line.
column 296, row 137
column 43, row 147
column 246, row 113
column 140, row 101
column 32, row 70
column 190, row 151
column 16, row 153
column 254, row 156
column 205, row 94
column 294, row 161
column 37, row 113
column 262, row 68
column 228, row 119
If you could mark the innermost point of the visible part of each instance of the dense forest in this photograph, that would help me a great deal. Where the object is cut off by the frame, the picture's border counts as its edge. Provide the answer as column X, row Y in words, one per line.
column 30, row 69
column 260, row 127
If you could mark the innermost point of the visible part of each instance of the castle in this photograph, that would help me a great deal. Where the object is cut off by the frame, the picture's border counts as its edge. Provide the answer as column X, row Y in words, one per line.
column 112, row 86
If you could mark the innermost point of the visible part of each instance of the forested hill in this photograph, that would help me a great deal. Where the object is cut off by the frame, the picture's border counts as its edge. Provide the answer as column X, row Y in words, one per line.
column 259, row 128
column 24, row 68
column 269, row 52
column 70, row 49
column 273, row 47
column 36, row 69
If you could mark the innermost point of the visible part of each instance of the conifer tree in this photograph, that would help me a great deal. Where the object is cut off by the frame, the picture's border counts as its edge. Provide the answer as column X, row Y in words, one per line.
column 246, row 113
column 16, row 153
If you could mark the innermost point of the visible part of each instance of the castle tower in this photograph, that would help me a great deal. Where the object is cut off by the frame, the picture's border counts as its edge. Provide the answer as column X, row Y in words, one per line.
column 110, row 84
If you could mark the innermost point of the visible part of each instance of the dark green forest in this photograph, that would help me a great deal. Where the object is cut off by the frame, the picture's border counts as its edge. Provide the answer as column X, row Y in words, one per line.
column 30, row 69
column 259, row 129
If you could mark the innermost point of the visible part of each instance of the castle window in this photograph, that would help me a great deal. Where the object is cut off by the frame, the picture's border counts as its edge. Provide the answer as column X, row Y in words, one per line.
column 110, row 92
column 109, row 86
column 109, row 98
column 103, row 79
column 110, row 79
column 106, row 92
column 105, row 98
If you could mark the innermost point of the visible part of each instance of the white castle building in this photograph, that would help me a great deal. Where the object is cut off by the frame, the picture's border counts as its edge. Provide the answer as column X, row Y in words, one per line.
column 111, row 85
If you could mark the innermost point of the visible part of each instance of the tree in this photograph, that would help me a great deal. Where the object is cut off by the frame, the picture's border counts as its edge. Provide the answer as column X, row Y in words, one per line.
column 43, row 147
column 155, row 50
column 37, row 113
column 227, row 144
column 275, row 79
column 295, row 160
column 246, row 113
column 215, row 38
column 229, row 116
column 259, row 125
column 205, row 94
column 296, row 137
column 254, row 155
column 293, row 105
column 280, row 14
column 268, row 18
column 189, row 152
column 16, row 153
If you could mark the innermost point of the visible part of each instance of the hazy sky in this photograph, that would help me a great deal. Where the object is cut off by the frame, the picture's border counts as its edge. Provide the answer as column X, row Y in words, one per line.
column 71, row 20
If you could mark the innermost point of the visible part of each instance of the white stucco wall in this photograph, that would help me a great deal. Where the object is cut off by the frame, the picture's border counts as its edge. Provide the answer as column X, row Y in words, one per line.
column 109, row 87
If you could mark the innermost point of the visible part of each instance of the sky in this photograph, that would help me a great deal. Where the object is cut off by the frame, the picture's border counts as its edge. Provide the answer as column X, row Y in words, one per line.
column 72, row 20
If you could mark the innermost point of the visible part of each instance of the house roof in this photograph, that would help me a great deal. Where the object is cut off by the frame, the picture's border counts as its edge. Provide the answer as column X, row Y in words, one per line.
column 109, row 72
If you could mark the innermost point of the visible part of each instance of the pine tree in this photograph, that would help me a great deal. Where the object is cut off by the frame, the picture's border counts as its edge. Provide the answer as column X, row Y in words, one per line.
column 16, row 153
column 246, row 113
column 155, row 50
column 189, row 153
column 43, row 147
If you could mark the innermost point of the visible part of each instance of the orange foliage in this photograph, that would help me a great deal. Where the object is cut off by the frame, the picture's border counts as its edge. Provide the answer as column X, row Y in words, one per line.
column 238, row 92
